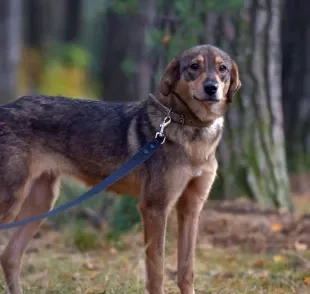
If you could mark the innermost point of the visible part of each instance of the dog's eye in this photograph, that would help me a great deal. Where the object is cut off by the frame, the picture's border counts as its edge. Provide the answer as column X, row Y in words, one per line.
column 222, row 68
column 194, row 66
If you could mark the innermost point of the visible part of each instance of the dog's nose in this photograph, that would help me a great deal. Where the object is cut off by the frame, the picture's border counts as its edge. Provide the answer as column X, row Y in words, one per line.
column 210, row 88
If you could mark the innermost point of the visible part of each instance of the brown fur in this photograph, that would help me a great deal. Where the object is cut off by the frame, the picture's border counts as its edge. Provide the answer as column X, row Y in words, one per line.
column 44, row 138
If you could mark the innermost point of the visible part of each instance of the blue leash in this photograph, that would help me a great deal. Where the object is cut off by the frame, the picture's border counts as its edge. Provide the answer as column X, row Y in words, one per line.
column 141, row 156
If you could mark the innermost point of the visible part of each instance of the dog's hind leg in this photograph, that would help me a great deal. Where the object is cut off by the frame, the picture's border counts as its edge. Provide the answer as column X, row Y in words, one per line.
column 41, row 198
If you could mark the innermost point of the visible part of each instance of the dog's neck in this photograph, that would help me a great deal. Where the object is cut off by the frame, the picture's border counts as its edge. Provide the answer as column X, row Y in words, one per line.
column 174, row 106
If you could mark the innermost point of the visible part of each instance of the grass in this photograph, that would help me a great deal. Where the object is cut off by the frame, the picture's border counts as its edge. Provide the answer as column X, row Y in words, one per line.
column 55, row 265
column 80, row 260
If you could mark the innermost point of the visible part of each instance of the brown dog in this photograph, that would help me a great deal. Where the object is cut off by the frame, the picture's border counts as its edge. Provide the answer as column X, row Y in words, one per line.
column 43, row 138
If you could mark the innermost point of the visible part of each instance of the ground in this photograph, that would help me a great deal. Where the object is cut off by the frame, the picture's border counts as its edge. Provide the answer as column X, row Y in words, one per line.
column 241, row 249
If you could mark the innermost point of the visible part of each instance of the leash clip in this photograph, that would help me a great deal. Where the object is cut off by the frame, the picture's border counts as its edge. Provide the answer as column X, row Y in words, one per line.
column 163, row 125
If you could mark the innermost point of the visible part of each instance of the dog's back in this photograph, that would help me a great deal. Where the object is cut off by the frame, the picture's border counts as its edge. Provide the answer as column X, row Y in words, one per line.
column 58, row 135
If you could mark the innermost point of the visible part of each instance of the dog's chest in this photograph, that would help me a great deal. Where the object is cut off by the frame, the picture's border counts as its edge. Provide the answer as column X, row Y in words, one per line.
column 200, row 149
column 198, row 154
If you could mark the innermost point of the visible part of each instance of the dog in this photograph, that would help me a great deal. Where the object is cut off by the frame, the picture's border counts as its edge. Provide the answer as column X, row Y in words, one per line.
column 44, row 138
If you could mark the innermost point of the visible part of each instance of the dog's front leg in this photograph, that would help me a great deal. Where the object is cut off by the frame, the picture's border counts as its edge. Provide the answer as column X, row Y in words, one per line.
column 189, row 207
column 154, row 220
column 158, row 197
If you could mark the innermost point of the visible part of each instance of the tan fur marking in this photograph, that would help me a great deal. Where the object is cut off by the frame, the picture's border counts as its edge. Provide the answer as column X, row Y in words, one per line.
column 129, row 185
column 218, row 60
column 47, row 162
column 200, row 59
column 198, row 82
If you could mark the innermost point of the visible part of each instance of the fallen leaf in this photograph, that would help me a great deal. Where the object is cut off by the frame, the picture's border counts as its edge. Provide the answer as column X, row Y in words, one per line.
column 279, row 259
column 277, row 227
column 113, row 251
column 307, row 281
column 265, row 282
column 89, row 266
column 299, row 246
column 259, row 263
column 67, row 277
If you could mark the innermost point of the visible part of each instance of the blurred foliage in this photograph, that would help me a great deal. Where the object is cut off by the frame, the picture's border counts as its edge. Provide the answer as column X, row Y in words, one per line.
column 61, row 70
column 221, row 6
column 128, row 66
column 65, row 71
column 69, row 191
column 121, row 213
column 185, row 25
column 86, row 240
column 124, row 6
column 69, row 55
column 154, row 37
column 126, row 214
column 29, row 70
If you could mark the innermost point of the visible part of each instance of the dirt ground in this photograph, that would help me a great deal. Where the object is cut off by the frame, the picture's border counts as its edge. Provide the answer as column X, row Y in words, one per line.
column 245, row 225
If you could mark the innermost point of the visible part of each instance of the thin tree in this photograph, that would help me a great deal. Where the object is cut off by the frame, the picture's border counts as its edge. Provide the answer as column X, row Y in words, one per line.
column 10, row 40
column 72, row 20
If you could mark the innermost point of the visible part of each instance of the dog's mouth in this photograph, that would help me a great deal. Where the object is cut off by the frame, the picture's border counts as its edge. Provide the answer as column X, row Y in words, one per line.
column 208, row 100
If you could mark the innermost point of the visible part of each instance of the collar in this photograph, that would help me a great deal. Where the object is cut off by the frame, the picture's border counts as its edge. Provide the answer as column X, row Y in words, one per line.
column 178, row 117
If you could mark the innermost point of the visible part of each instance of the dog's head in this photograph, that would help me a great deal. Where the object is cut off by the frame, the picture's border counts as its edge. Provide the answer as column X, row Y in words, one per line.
column 203, row 76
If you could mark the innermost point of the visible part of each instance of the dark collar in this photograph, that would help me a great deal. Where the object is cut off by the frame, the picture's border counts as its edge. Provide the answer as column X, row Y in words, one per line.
column 179, row 117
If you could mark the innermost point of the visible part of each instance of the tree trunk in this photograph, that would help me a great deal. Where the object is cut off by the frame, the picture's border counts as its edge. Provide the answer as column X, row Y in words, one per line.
column 33, row 23
column 33, row 53
column 252, row 153
column 53, row 16
column 295, row 81
column 10, row 40
column 72, row 20
column 127, row 63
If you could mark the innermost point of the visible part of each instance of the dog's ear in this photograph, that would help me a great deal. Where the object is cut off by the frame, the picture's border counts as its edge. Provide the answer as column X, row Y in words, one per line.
column 170, row 76
column 235, row 82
